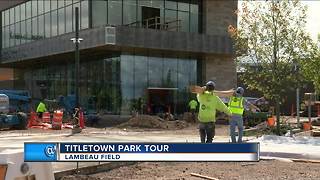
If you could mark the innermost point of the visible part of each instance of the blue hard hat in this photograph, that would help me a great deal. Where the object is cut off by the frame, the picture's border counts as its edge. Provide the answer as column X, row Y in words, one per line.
column 240, row 90
column 210, row 85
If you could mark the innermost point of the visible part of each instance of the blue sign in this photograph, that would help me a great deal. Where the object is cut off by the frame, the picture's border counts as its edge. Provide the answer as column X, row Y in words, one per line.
column 141, row 152
column 158, row 148
column 40, row 152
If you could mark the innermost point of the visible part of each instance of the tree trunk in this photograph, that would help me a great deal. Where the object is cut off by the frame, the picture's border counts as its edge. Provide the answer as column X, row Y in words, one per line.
column 278, row 116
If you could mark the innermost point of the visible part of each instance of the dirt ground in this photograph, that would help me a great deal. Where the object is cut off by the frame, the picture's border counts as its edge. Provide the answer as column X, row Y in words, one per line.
column 154, row 122
column 264, row 170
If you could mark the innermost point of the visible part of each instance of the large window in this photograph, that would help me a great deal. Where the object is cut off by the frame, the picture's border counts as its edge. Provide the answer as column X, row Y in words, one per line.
column 142, row 75
column 47, row 26
column 49, row 18
column 39, row 19
column 117, row 83
column 140, row 78
column 61, row 20
column 171, row 15
column 130, row 9
column 84, row 14
column 69, row 19
column 54, row 23
column 100, row 13
column 114, row 12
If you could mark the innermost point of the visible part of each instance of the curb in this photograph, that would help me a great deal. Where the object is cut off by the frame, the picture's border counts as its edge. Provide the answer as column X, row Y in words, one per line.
column 92, row 169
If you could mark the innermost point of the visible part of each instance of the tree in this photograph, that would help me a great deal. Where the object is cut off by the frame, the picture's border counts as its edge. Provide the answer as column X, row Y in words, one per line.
column 271, row 35
column 310, row 67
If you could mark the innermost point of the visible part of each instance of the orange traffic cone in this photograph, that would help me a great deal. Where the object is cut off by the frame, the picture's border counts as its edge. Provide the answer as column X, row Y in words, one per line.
column 32, row 119
column 46, row 117
column 81, row 119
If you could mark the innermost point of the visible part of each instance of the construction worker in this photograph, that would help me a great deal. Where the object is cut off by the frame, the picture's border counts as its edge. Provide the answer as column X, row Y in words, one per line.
column 237, row 105
column 193, row 107
column 209, row 103
column 41, row 108
column 76, row 124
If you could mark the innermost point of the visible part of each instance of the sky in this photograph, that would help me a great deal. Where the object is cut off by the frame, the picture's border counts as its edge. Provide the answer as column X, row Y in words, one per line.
column 313, row 20
column 313, row 17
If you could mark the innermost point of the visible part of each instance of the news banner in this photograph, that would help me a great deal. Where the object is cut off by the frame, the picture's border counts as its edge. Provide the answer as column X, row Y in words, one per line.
column 53, row 152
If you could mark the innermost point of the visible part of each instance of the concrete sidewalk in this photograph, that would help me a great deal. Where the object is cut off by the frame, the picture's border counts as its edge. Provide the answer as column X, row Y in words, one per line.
column 289, row 147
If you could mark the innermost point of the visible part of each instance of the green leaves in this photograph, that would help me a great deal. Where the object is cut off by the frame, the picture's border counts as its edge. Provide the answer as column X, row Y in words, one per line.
column 311, row 71
column 272, row 35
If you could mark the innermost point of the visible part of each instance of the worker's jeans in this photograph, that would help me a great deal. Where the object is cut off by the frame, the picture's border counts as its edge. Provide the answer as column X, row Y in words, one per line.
column 207, row 130
column 236, row 120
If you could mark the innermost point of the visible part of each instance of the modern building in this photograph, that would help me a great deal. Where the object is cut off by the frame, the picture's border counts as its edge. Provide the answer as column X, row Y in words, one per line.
column 135, row 53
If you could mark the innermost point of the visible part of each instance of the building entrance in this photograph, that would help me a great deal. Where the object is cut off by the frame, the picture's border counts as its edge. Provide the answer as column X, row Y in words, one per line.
column 161, row 100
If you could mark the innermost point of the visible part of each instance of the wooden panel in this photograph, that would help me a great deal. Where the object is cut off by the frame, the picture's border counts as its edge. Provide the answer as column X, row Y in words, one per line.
column 3, row 171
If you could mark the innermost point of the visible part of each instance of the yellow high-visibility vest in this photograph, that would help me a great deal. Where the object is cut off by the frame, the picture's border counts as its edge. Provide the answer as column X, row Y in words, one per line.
column 236, row 105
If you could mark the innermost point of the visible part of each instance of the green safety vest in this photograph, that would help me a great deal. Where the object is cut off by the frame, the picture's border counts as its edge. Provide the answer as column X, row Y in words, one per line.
column 236, row 105
column 193, row 104
column 209, row 103
column 41, row 108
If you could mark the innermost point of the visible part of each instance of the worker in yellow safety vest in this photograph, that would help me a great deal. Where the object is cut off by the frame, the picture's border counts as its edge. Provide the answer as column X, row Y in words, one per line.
column 193, row 107
column 237, row 105
column 41, row 108
column 209, row 103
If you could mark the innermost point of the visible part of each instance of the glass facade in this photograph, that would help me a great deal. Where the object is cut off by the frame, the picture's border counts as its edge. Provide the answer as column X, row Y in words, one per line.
column 114, row 84
column 178, row 15
column 39, row 19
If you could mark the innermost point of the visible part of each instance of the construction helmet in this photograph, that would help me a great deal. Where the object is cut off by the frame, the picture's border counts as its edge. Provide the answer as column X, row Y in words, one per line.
column 210, row 85
column 240, row 91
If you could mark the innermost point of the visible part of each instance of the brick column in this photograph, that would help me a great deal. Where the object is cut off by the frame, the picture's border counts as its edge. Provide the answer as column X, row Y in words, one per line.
column 221, row 68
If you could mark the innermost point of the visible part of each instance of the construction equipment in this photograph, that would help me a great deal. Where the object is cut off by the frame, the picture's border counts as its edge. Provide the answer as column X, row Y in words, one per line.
column 15, row 120
column 19, row 100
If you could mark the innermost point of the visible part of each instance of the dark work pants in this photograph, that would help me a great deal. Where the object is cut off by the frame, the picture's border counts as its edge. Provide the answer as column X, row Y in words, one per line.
column 207, row 130
column 40, row 115
column 193, row 113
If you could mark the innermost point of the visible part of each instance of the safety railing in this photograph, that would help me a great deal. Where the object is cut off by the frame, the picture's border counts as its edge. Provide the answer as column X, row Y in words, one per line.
column 155, row 23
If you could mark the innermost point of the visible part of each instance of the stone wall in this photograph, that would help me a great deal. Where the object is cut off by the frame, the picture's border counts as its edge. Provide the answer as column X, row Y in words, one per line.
column 218, row 15
column 222, row 70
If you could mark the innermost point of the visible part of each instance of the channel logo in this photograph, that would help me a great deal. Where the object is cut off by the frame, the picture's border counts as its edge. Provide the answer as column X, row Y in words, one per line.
column 39, row 152
column 50, row 151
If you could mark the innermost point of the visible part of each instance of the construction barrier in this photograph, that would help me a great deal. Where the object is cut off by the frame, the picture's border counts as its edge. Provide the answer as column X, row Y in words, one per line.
column 32, row 119
column 57, row 120
column 46, row 117
column 81, row 119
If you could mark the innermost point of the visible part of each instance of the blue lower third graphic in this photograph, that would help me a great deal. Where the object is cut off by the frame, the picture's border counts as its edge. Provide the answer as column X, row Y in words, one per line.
column 40, row 152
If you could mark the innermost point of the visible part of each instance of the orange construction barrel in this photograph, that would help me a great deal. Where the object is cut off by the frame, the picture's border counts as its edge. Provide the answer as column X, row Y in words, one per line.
column 46, row 117
column 271, row 121
column 57, row 120
column 32, row 119
column 306, row 126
